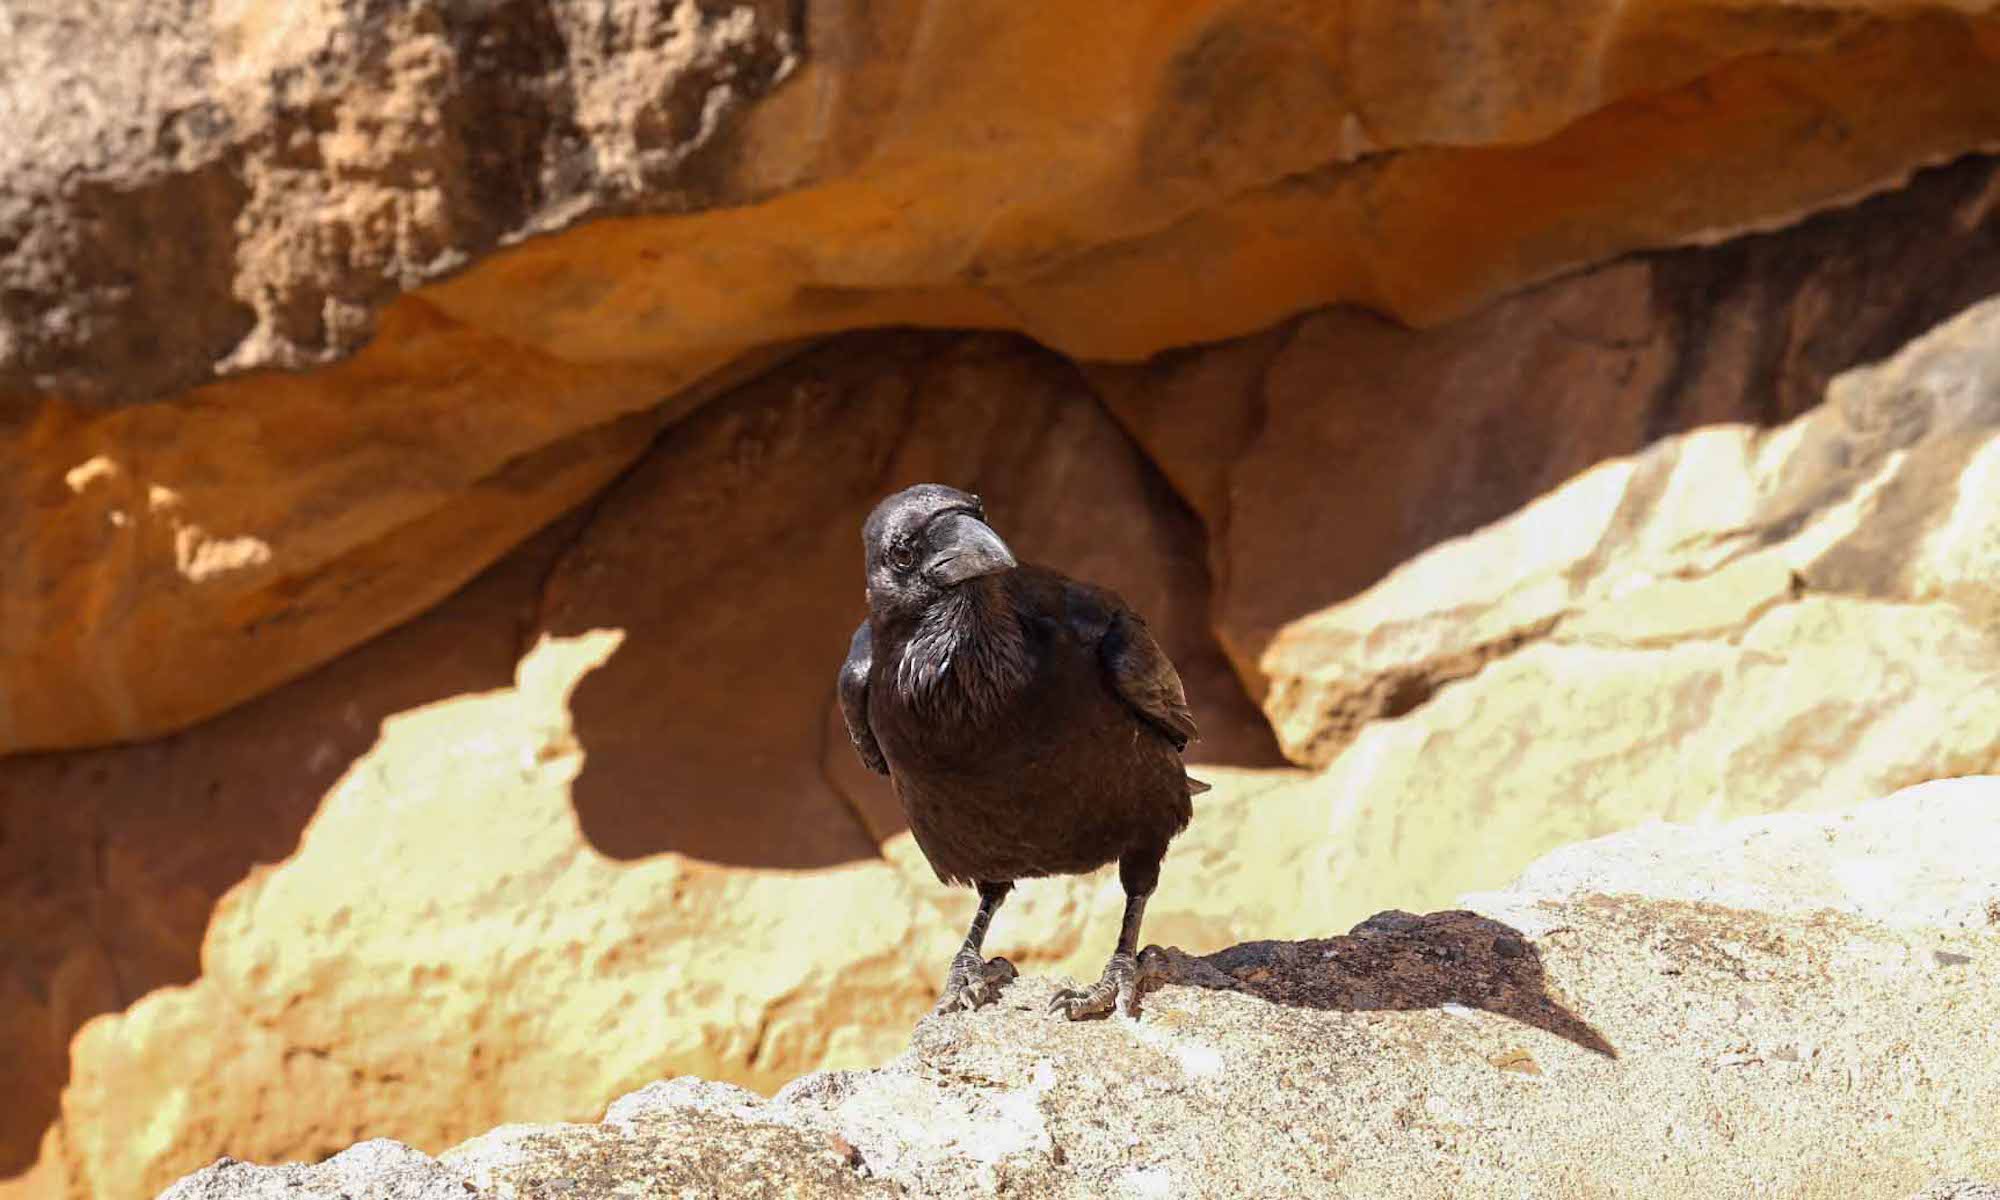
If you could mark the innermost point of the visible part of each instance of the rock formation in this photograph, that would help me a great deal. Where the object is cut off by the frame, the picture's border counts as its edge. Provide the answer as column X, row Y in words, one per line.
column 1797, row 1005
column 404, row 195
column 603, row 835
column 1421, row 372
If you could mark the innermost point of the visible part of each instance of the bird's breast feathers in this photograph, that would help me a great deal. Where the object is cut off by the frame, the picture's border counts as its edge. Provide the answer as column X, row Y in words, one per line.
column 964, row 659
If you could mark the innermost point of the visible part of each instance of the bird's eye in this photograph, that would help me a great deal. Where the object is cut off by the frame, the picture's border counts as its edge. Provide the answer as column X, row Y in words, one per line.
column 902, row 557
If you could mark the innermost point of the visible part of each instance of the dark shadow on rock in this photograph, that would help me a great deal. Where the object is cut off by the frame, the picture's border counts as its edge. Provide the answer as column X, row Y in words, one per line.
column 1332, row 449
column 731, row 559
column 730, row 556
column 1393, row 961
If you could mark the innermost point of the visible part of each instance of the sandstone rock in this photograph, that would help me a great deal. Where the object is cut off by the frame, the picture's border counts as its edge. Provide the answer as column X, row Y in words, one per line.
column 1810, row 706
column 1959, row 1189
column 217, row 189
column 316, row 166
column 375, row 1170
column 1332, row 451
column 448, row 950
column 731, row 560
column 442, row 921
column 751, row 917
column 1633, row 1041
column 1734, row 621
column 1910, row 860
column 161, row 573
column 524, row 221
column 1883, row 496
column 225, row 188
column 112, row 860
column 669, row 1147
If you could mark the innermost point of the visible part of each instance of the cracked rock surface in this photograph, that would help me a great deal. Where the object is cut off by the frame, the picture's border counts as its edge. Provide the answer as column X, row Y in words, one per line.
column 1606, row 1026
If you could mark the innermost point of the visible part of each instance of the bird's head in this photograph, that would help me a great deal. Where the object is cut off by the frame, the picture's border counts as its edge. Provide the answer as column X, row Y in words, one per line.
column 922, row 543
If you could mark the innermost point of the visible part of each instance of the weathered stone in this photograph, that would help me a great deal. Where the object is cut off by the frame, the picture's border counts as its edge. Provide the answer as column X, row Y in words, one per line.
column 1878, row 506
column 374, row 1170
column 1326, row 454
column 223, row 187
column 655, row 900
column 113, row 859
column 161, row 572
column 1734, row 621
column 1619, row 1035
column 456, row 885
column 1918, row 866
column 412, row 966
column 1959, row 1189
column 660, row 1138
column 527, row 220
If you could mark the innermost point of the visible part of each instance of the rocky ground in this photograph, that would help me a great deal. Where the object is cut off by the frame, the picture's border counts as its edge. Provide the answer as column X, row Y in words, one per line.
column 1792, row 1006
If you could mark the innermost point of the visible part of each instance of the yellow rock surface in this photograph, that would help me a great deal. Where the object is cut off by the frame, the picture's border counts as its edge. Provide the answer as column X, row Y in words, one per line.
column 1711, row 542
column 447, row 950
column 700, row 820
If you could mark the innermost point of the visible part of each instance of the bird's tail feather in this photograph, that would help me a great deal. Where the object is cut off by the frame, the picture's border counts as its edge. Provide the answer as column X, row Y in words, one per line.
column 1196, row 787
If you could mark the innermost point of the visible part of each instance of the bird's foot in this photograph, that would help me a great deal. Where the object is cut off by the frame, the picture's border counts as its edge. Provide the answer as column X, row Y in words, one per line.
column 973, row 983
column 1117, row 989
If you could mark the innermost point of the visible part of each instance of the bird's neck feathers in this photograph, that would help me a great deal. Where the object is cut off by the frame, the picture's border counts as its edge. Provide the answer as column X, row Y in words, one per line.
column 967, row 654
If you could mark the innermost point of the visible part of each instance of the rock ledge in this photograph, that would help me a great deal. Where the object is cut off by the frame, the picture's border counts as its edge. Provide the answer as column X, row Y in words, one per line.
column 1616, row 1023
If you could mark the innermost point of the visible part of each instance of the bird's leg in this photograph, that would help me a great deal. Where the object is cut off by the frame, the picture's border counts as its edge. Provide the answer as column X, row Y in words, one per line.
column 1118, row 987
column 973, row 981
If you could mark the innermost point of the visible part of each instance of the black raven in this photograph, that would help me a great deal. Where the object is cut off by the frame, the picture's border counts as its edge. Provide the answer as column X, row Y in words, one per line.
column 1029, row 722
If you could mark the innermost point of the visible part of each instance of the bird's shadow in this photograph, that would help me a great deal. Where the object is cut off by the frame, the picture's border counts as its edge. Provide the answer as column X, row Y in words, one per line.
column 1393, row 961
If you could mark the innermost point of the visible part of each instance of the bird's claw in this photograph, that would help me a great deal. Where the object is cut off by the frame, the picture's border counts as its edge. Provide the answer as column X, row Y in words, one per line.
column 973, row 982
column 1117, row 990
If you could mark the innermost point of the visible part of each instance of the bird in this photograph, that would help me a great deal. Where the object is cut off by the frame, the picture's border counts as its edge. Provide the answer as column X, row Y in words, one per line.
column 1029, row 723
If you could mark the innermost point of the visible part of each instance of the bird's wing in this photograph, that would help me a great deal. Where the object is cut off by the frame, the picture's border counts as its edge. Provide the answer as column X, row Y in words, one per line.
column 1138, row 668
column 854, row 699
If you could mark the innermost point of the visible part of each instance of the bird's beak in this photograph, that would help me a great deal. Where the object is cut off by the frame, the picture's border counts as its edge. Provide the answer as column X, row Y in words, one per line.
column 965, row 548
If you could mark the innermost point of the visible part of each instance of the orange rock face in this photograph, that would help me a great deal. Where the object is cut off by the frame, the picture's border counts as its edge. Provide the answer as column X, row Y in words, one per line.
column 426, row 823
column 1324, row 453
column 592, row 822
column 113, row 859
column 1113, row 183
column 627, row 816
